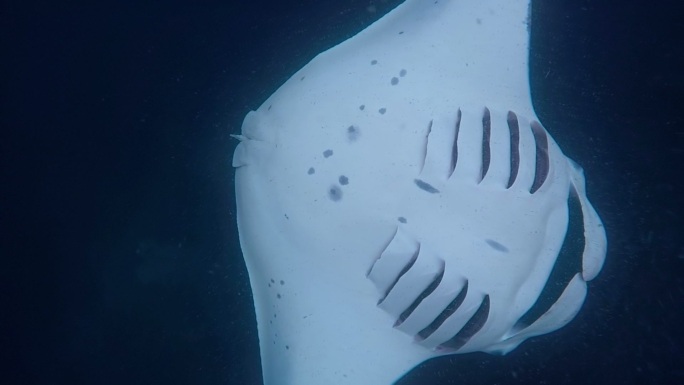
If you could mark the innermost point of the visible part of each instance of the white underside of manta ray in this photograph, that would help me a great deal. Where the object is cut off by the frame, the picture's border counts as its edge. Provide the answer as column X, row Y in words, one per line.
column 398, row 200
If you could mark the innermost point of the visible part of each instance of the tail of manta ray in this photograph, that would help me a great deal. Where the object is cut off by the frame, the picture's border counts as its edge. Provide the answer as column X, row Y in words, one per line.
column 398, row 200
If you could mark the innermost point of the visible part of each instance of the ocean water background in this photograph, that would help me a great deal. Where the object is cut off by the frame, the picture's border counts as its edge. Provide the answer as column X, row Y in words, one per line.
column 120, row 257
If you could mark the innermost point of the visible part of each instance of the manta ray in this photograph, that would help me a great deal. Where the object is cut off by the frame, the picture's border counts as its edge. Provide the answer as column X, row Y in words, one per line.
column 398, row 199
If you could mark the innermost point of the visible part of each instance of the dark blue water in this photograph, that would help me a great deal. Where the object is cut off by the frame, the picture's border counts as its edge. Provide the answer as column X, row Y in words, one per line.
column 120, row 257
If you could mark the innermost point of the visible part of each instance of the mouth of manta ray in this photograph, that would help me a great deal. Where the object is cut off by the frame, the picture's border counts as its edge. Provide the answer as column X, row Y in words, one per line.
column 448, row 301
